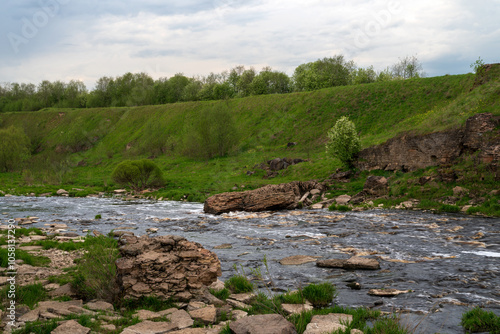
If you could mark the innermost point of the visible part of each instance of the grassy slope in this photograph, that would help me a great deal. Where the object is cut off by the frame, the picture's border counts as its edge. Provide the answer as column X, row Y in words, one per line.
column 99, row 137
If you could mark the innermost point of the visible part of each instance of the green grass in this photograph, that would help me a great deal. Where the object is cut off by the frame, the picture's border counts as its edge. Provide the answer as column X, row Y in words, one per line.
column 36, row 261
column 80, row 148
column 221, row 294
column 479, row 320
column 320, row 295
column 49, row 244
column 239, row 284
column 29, row 295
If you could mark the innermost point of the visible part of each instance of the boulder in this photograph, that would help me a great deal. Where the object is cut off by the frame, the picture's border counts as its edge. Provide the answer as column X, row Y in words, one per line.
column 354, row 263
column 263, row 324
column 342, row 199
column 62, row 192
column 295, row 260
column 71, row 326
column 328, row 323
column 271, row 197
column 376, row 186
column 386, row 292
column 296, row 308
column 149, row 327
column 206, row 315
column 165, row 266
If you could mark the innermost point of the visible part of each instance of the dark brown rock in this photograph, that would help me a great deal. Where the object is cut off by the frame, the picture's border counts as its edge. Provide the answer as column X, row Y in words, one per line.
column 165, row 266
column 376, row 186
column 270, row 197
column 410, row 152
column 263, row 324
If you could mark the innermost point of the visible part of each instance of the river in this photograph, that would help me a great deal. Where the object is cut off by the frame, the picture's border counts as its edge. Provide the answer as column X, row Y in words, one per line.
column 449, row 262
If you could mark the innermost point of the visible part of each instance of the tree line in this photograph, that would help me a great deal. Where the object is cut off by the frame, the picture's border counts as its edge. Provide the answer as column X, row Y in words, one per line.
column 135, row 89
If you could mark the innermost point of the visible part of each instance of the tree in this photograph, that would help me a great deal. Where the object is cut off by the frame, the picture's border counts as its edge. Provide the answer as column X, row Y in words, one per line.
column 407, row 68
column 323, row 73
column 343, row 141
column 211, row 134
column 138, row 174
column 14, row 148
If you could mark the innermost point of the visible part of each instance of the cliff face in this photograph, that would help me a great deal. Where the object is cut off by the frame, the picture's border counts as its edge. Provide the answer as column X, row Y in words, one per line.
column 480, row 134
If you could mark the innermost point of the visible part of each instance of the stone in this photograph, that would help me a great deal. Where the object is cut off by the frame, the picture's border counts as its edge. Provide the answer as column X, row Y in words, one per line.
column 357, row 262
column 328, row 323
column 62, row 192
column 165, row 266
column 32, row 315
column 270, row 197
column 196, row 331
column 343, row 199
column 236, row 304
column 109, row 327
column 238, row 314
column 296, row 308
column 386, row 292
column 263, row 324
column 150, row 327
column 100, row 305
column 71, row 326
column 354, row 263
column 218, row 285
column 411, row 152
column 297, row 260
column 206, row 315
column 376, row 186
column 246, row 298
column 465, row 208
column 181, row 319
column 120, row 191
column 315, row 192
column 147, row 314
column 317, row 206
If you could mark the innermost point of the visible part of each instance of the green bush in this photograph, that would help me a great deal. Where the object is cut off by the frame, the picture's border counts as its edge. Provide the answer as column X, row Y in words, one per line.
column 239, row 284
column 212, row 134
column 343, row 141
column 138, row 174
column 14, row 148
column 479, row 320
column 221, row 294
column 95, row 275
column 320, row 295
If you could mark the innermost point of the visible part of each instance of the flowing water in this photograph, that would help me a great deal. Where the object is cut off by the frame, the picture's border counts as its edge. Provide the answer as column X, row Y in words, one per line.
column 449, row 263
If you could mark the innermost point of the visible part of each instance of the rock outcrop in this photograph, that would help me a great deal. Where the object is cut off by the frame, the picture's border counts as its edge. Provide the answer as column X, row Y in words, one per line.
column 271, row 197
column 410, row 152
column 165, row 266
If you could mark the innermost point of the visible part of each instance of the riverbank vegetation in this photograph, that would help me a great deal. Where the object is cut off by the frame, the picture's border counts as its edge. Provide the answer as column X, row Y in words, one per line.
column 78, row 149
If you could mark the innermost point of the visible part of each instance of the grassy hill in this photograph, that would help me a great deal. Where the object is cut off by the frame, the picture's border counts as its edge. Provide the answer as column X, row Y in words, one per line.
column 79, row 148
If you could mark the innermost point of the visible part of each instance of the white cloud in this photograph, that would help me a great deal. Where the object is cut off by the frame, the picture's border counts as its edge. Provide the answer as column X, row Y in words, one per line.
column 87, row 40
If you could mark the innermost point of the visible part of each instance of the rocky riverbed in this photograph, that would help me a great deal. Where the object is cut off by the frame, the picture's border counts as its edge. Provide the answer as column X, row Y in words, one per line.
column 444, row 264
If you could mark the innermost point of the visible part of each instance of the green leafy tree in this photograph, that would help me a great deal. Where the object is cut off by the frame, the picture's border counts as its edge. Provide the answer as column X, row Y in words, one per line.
column 343, row 141
column 477, row 66
column 138, row 174
column 323, row 73
column 211, row 134
column 14, row 148
column 407, row 68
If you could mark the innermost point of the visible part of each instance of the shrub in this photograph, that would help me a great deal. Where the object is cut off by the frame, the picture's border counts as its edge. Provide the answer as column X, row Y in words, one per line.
column 14, row 148
column 221, row 294
column 138, row 174
column 212, row 134
column 449, row 208
column 479, row 320
column 343, row 141
column 95, row 275
column 320, row 295
column 239, row 284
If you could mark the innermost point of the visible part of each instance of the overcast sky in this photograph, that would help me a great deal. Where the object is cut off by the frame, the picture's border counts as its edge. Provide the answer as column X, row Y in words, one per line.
column 88, row 39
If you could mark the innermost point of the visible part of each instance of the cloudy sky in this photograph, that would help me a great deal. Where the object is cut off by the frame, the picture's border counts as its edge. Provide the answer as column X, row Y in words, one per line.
column 88, row 39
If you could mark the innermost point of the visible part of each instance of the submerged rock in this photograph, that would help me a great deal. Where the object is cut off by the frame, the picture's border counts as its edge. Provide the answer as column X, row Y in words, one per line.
column 354, row 263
